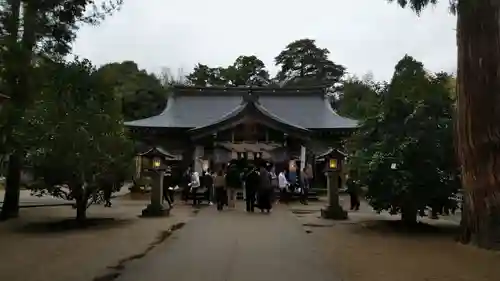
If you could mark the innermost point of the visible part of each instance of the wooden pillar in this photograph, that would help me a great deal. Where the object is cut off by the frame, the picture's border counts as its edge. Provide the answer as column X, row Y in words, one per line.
column 198, row 159
column 302, row 158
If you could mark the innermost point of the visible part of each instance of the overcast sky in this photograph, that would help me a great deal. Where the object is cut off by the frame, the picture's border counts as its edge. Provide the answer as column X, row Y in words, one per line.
column 363, row 35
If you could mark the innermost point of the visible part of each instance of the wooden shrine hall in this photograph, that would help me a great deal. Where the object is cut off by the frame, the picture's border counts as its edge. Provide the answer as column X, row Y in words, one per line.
column 209, row 126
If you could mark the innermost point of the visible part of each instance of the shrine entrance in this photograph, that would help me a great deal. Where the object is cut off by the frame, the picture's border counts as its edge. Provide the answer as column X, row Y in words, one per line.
column 249, row 140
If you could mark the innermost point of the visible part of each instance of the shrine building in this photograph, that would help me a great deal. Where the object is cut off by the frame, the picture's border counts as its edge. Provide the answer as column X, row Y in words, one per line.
column 209, row 126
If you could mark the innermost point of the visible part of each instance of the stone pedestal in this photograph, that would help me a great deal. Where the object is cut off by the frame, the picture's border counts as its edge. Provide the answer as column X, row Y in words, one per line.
column 156, row 208
column 333, row 210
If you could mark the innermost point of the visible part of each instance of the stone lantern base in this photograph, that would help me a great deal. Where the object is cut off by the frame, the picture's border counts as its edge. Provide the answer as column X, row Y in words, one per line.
column 155, row 211
column 333, row 213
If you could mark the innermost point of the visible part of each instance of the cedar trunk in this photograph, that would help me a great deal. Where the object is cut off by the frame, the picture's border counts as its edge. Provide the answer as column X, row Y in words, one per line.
column 81, row 203
column 478, row 118
column 10, row 207
column 17, row 66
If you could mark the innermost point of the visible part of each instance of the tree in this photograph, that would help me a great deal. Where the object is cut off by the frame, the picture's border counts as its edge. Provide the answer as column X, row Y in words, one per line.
column 82, row 149
column 412, row 131
column 247, row 70
column 203, row 76
column 359, row 99
column 303, row 63
column 32, row 31
column 478, row 112
column 141, row 93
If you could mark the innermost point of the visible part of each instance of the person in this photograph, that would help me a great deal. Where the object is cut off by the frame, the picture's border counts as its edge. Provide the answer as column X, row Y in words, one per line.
column 207, row 183
column 353, row 190
column 168, row 188
column 274, row 183
column 252, row 184
column 108, row 184
column 283, row 186
column 265, row 190
column 304, row 187
column 309, row 173
column 220, row 190
column 185, row 181
column 292, row 176
column 194, row 186
column 108, row 190
column 233, row 183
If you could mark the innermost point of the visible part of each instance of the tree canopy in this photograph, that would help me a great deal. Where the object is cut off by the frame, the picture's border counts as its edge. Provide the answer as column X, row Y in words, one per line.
column 141, row 94
column 77, row 135
column 301, row 63
column 246, row 70
column 403, row 154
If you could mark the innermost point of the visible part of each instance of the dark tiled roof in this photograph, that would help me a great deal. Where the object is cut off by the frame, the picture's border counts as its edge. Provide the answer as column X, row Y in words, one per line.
column 311, row 112
column 191, row 111
column 201, row 107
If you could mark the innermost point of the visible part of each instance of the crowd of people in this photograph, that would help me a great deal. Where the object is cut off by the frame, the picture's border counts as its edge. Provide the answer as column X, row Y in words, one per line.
column 258, row 182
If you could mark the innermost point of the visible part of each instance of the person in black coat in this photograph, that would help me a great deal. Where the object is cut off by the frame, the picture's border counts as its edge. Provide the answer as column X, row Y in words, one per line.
column 252, row 181
column 185, row 180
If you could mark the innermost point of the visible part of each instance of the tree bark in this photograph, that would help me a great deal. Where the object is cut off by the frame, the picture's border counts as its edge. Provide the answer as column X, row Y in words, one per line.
column 409, row 216
column 10, row 208
column 18, row 67
column 81, row 204
column 478, row 115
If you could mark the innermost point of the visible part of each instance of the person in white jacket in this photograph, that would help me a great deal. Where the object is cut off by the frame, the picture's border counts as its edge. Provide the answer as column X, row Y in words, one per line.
column 283, row 185
column 194, row 185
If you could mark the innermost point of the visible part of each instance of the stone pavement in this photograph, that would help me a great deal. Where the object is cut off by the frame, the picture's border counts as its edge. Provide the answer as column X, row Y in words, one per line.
column 235, row 246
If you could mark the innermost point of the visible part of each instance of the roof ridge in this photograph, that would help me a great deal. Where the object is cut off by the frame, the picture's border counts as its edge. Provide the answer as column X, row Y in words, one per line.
column 257, row 91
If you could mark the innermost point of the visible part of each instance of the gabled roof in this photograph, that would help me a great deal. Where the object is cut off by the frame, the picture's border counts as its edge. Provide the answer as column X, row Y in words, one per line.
column 196, row 107
column 156, row 150
column 250, row 108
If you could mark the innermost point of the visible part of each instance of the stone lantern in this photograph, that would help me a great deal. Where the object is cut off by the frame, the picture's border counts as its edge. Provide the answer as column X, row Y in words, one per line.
column 334, row 160
column 156, row 171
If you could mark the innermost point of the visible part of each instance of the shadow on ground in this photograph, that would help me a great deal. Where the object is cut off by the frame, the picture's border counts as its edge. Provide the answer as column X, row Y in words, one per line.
column 70, row 224
column 397, row 227
column 304, row 212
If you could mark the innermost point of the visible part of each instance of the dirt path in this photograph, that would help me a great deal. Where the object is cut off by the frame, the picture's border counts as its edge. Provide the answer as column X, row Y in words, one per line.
column 31, row 252
column 368, row 249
